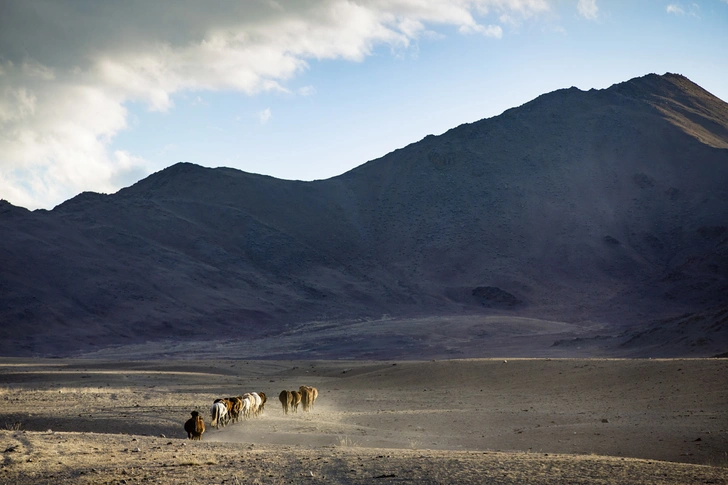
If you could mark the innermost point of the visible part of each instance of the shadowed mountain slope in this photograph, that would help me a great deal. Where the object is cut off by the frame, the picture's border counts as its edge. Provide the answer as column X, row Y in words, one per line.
column 603, row 206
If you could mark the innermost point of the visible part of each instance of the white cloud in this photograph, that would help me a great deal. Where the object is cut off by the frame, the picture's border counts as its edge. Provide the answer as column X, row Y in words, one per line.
column 307, row 91
column 66, row 74
column 489, row 31
column 692, row 10
column 264, row 116
column 588, row 9
column 53, row 137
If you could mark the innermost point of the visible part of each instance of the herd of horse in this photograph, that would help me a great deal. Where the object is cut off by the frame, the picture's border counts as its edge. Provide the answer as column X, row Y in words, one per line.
column 228, row 410
column 305, row 396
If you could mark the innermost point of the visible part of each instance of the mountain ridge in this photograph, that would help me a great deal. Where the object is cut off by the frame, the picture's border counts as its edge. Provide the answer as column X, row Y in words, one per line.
column 601, row 205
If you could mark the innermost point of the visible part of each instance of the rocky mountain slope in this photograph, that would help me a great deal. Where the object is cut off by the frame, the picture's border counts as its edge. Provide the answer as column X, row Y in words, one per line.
column 603, row 206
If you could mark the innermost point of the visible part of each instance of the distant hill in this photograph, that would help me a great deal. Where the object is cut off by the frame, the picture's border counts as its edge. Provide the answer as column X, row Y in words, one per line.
column 605, row 206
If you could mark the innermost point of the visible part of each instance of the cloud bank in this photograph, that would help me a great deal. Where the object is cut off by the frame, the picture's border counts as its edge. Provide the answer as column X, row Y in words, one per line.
column 68, row 68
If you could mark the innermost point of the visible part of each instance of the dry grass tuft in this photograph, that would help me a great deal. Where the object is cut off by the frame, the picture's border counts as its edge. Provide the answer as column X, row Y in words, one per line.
column 15, row 426
column 345, row 441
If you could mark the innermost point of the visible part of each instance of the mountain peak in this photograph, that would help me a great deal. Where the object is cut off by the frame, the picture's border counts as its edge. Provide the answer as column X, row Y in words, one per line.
column 658, row 85
column 174, row 180
column 683, row 103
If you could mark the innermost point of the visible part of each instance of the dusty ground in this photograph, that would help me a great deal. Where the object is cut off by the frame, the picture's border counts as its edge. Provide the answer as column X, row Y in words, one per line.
column 452, row 421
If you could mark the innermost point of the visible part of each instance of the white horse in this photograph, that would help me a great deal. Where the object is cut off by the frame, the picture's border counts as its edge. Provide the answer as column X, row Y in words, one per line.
column 248, row 403
column 258, row 402
column 218, row 413
column 254, row 403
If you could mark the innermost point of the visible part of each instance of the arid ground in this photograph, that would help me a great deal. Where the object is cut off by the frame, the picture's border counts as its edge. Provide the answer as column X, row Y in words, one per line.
column 444, row 421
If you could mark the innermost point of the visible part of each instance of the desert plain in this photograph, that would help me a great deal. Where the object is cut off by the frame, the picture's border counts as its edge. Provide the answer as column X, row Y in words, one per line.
column 501, row 421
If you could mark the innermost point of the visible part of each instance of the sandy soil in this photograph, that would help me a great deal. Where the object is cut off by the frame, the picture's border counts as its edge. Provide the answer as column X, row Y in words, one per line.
column 451, row 421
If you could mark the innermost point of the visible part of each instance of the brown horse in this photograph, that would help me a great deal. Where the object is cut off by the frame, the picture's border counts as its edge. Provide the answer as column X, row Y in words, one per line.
column 286, row 399
column 296, row 400
column 195, row 426
column 308, row 397
column 237, row 406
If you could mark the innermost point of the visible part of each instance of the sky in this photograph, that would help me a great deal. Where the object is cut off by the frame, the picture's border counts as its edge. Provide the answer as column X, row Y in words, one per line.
column 98, row 94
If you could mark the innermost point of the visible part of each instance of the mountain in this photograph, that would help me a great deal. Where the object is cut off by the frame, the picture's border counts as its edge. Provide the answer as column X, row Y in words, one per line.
column 605, row 206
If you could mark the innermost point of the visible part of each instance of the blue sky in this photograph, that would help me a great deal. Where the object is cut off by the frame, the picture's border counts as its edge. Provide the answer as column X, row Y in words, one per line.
column 96, row 98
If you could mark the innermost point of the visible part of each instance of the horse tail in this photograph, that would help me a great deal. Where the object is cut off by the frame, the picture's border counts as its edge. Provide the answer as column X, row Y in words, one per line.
column 215, row 416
